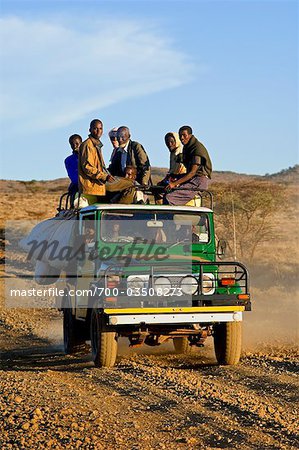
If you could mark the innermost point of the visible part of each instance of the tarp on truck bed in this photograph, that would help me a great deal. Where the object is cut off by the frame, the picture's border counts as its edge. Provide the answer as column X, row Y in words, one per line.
column 51, row 242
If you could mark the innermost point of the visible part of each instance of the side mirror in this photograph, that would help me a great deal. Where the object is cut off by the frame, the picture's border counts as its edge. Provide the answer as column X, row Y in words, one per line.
column 221, row 248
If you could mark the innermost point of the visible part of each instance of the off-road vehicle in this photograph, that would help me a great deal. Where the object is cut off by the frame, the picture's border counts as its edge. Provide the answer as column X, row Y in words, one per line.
column 157, row 274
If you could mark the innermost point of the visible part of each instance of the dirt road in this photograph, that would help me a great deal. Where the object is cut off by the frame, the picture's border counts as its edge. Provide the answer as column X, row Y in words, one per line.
column 148, row 401
column 151, row 401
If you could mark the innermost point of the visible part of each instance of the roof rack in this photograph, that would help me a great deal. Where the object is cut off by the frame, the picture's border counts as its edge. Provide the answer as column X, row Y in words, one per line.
column 66, row 197
column 206, row 197
column 66, row 201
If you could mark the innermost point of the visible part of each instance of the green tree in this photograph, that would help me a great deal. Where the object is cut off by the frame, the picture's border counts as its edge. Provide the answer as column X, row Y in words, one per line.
column 254, row 204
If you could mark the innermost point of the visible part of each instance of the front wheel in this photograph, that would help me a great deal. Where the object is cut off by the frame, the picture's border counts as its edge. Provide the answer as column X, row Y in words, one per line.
column 228, row 342
column 182, row 345
column 103, row 343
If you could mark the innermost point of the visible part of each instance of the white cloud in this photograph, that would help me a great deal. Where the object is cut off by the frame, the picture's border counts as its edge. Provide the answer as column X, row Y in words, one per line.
column 54, row 74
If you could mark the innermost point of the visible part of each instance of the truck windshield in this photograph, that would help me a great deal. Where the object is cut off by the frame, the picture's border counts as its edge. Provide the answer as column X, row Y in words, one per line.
column 154, row 226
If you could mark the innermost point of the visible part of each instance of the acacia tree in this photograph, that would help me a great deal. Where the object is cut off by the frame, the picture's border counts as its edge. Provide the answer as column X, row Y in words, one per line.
column 254, row 204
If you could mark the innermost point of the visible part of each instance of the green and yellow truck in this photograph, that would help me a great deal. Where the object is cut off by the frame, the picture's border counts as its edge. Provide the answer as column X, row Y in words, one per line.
column 153, row 273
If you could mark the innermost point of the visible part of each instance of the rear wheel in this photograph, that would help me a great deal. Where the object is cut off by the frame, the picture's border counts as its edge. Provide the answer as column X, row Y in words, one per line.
column 72, row 335
column 182, row 345
column 228, row 342
column 103, row 343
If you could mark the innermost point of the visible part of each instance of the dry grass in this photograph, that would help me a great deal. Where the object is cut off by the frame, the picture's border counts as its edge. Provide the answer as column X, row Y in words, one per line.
column 274, row 270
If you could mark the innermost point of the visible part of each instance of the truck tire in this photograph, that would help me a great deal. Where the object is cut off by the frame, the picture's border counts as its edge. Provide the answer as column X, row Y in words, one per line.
column 182, row 345
column 103, row 343
column 72, row 336
column 228, row 342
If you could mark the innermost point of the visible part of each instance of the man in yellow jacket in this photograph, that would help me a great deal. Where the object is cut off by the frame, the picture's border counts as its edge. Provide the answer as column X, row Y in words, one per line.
column 94, row 178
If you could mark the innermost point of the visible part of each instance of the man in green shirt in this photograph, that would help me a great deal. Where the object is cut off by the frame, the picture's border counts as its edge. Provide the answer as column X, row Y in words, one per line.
column 198, row 164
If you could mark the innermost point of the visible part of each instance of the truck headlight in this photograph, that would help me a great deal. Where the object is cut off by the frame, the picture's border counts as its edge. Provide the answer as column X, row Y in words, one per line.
column 135, row 283
column 189, row 285
column 162, row 285
column 208, row 284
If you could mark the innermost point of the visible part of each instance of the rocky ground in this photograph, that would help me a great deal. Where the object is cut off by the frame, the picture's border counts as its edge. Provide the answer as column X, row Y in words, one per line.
column 148, row 401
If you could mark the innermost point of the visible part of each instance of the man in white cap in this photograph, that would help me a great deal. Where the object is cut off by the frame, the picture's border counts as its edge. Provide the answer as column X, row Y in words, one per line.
column 117, row 159
column 113, row 138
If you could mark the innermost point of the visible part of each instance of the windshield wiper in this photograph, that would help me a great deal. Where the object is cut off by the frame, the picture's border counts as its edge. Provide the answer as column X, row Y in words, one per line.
column 179, row 242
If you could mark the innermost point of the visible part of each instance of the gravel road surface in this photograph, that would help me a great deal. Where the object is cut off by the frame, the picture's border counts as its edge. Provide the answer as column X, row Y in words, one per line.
column 148, row 401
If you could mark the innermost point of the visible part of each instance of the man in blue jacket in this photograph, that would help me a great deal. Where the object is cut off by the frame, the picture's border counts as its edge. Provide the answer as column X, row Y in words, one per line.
column 71, row 163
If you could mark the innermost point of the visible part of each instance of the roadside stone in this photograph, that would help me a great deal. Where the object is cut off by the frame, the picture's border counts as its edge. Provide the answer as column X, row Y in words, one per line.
column 271, row 409
column 26, row 426
column 38, row 412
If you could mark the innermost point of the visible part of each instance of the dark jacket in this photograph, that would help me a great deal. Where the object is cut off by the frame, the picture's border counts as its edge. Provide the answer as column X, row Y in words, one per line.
column 137, row 157
column 115, row 167
column 195, row 153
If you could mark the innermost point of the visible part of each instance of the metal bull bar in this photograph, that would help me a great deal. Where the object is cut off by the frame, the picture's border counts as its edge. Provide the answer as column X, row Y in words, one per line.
column 209, row 284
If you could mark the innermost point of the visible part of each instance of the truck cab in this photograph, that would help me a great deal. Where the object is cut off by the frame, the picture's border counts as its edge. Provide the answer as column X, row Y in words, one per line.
column 153, row 273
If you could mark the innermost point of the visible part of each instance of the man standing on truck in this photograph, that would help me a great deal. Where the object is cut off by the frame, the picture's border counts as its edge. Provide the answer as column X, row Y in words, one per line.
column 198, row 165
column 118, row 158
column 132, row 153
column 71, row 163
column 94, row 178
column 113, row 139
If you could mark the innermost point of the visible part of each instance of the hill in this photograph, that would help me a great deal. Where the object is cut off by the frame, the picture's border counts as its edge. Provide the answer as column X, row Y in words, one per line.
column 290, row 175
column 59, row 185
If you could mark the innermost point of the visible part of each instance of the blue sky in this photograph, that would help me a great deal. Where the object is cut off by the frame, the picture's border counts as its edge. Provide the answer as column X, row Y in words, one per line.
column 227, row 68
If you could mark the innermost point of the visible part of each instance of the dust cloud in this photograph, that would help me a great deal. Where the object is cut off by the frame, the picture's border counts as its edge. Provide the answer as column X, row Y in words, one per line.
column 273, row 319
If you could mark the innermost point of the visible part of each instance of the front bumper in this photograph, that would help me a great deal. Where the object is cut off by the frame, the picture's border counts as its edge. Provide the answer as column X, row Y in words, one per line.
column 174, row 316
